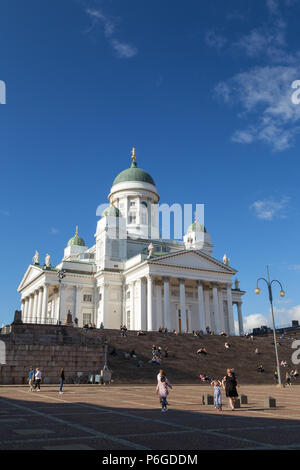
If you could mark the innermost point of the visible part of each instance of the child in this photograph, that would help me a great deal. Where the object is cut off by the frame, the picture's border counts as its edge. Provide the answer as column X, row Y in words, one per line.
column 162, row 389
column 217, row 394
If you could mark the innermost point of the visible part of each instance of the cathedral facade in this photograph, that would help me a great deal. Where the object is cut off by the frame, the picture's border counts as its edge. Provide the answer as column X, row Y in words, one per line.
column 131, row 275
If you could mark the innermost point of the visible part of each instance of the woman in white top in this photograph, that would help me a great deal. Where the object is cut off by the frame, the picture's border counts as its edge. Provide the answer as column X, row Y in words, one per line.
column 38, row 376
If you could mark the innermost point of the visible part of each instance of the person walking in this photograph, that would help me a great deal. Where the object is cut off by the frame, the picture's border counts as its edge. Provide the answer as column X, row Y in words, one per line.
column 288, row 379
column 31, row 379
column 162, row 390
column 159, row 376
column 38, row 377
column 217, row 394
column 62, row 380
column 229, row 383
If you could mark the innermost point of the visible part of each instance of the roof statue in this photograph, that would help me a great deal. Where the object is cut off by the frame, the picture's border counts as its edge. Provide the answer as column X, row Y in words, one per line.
column 36, row 258
column 47, row 260
column 226, row 260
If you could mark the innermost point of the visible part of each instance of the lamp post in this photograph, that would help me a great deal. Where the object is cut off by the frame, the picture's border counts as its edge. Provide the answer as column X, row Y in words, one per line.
column 282, row 294
column 61, row 274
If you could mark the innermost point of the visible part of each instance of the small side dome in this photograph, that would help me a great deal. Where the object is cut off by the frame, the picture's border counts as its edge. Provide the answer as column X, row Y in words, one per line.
column 76, row 240
column 111, row 211
column 196, row 227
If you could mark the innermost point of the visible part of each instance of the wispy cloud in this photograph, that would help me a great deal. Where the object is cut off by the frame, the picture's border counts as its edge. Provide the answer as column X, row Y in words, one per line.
column 4, row 212
column 294, row 267
column 214, row 39
column 54, row 231
column 123, row 50
column 268, row 209
column 263, row 92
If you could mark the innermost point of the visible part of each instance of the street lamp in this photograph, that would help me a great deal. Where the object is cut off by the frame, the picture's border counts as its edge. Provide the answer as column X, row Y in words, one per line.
column 282, row 294
column 61, row 274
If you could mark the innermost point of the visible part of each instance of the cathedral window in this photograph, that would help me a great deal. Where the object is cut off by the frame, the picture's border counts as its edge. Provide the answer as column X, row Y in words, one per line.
column 132, row 218
column 87, row 298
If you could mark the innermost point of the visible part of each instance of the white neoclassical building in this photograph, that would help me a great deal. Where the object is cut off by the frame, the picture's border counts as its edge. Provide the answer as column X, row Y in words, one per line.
column 133, row 276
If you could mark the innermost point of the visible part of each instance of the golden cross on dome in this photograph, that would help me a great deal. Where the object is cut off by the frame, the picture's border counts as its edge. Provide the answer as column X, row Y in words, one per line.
column 195, row 215
column 76, row 233
column 133, row 154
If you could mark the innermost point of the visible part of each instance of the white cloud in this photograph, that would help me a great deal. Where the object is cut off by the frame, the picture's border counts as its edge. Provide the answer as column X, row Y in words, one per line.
column 256, row 320
column 268, row 209
column 122, row 49
column 284, row 316
column 263, row 92
column 54, row 231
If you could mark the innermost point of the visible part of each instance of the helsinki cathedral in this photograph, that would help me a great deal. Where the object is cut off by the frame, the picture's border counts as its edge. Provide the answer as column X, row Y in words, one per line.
column 131, row 275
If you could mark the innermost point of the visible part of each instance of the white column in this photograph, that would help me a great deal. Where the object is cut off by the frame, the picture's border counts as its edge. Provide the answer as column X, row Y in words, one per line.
column 62, row 313
column 29, row 320
column 45, row 303
column 138, row 211
column 34, row 307
column 24, row 317
column 201, row 310
column 230, row 311
column 104, row 292
column 206, row 294
column 39, row 306
column 167, row 303
column 221, row 311
column 77, row 302
column 241, row 324
column 96, row 300
column 126, row 209
column 142, row 314
column 159, row 313
column 149, row 303
column 216, row 308
column 182, row 306
column 53, row 309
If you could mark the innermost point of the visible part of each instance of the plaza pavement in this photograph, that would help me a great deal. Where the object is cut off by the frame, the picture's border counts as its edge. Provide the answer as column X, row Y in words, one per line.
column 128, row 417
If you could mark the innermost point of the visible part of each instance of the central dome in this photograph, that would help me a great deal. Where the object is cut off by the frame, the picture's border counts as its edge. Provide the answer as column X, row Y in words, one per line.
column 134, row 174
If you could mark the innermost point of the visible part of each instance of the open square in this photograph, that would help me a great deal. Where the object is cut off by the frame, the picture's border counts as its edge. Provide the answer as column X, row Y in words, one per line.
column 128, row 417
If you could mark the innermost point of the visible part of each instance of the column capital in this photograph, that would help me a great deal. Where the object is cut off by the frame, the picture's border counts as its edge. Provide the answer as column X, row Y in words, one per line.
column 200, row 283
column 166, row 278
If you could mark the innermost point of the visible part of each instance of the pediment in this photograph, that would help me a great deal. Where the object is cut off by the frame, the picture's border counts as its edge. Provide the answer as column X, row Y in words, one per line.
column 193, row 259
column 31, row 274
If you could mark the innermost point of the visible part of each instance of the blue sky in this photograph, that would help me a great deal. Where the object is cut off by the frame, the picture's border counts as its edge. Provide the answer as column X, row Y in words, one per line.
column 201, row 89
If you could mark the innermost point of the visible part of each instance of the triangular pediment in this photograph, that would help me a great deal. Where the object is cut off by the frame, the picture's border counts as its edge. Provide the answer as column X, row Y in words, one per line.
column 193, row 259
column 31, row 274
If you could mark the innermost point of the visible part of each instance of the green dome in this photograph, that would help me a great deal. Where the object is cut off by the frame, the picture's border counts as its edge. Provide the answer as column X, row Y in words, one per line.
column 134, row 174
column 76, row 240
column 111, row 211
column 196, row 227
